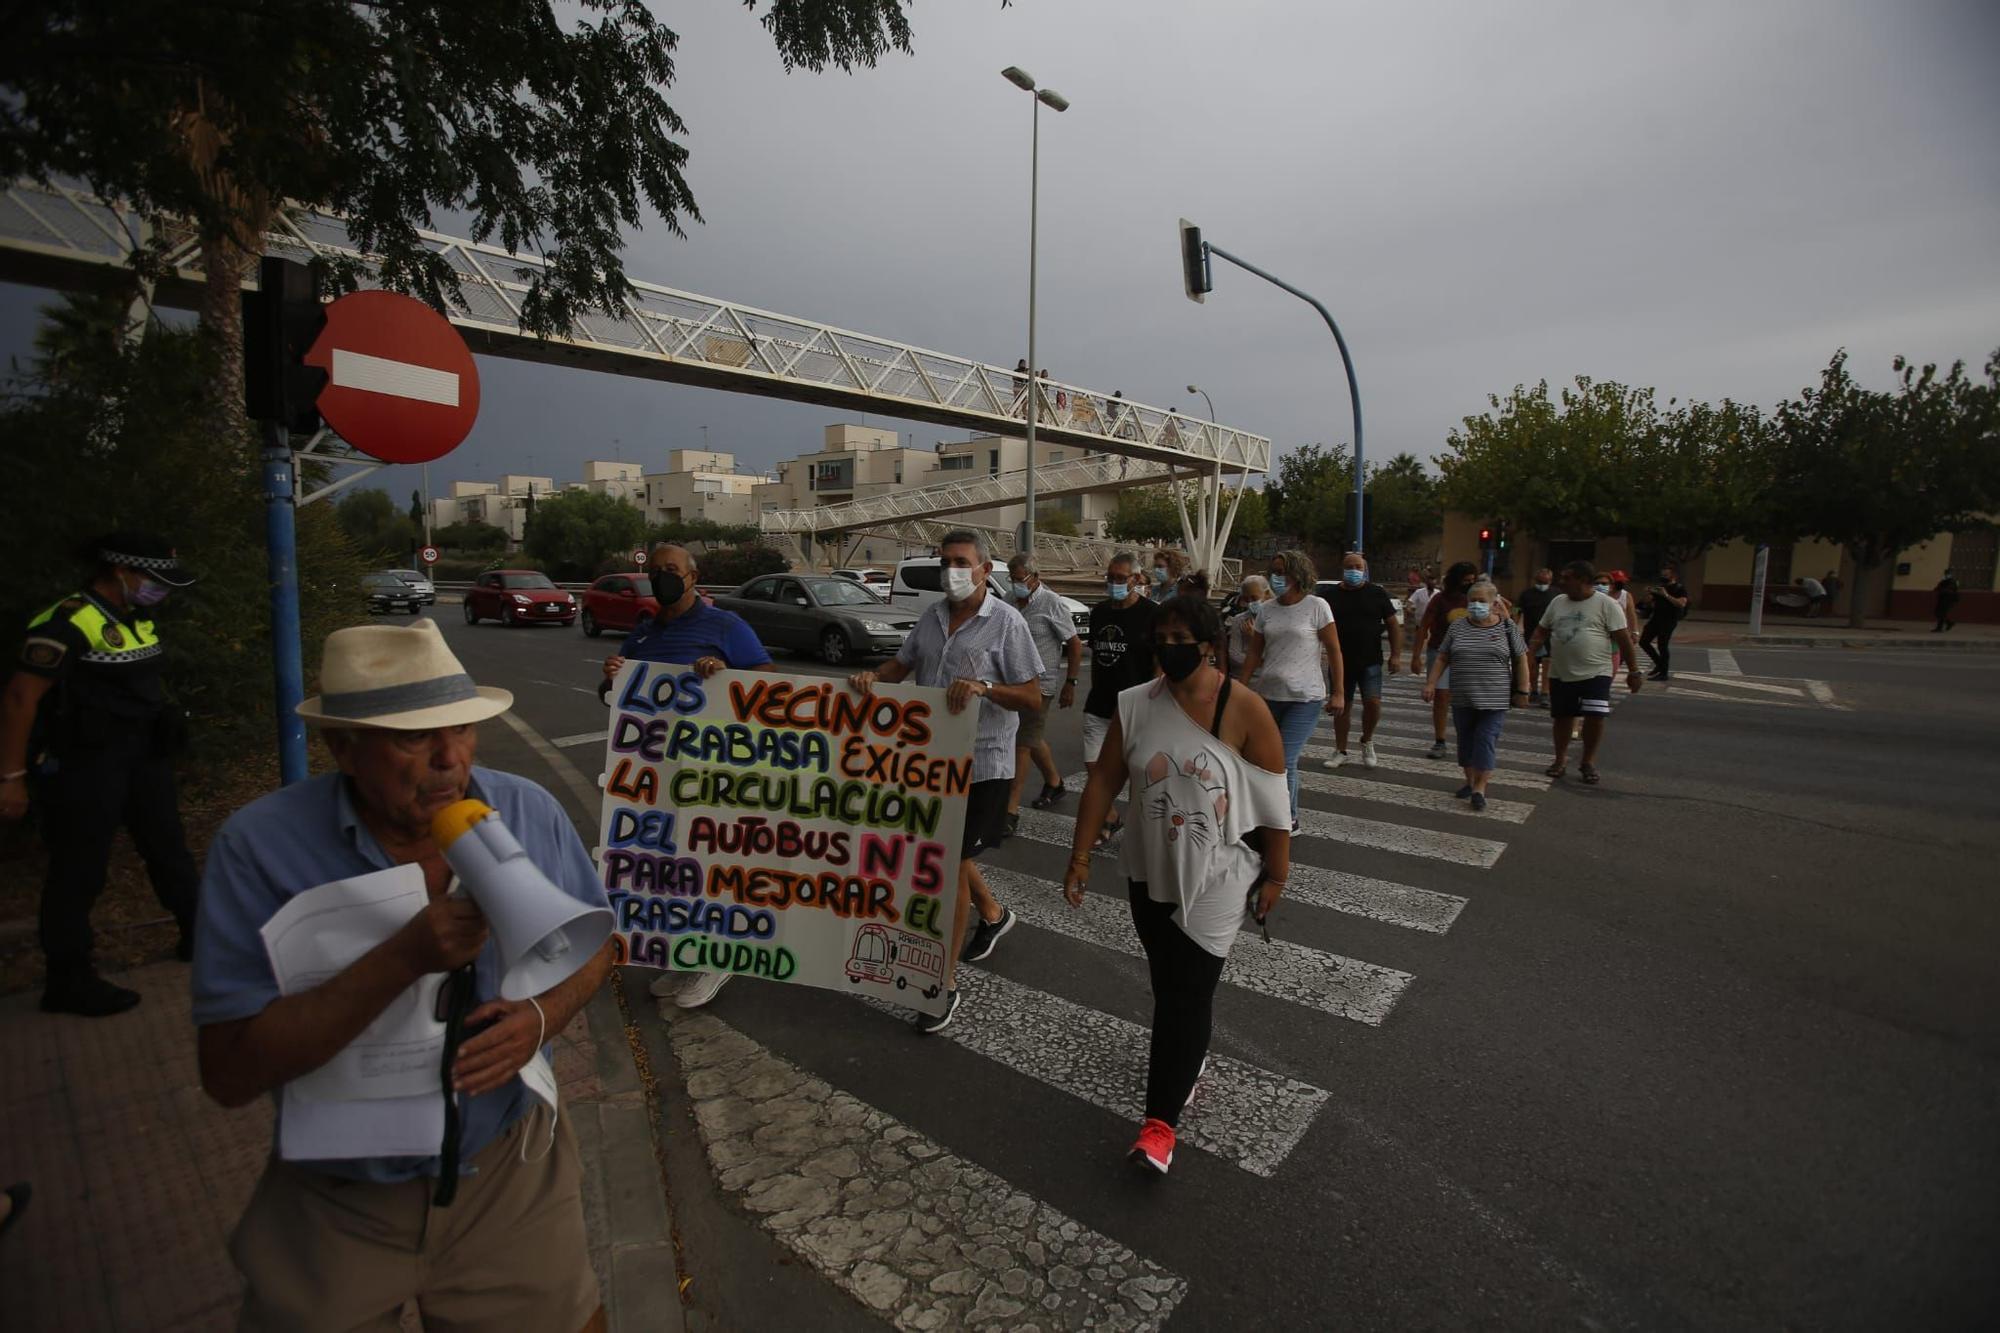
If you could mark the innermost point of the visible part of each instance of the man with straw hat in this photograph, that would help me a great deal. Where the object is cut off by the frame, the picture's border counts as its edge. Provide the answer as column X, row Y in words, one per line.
column 340, row 1244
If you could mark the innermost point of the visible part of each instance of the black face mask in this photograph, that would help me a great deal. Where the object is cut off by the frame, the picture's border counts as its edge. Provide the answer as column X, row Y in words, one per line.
column 1178, row 660
column 668, row 587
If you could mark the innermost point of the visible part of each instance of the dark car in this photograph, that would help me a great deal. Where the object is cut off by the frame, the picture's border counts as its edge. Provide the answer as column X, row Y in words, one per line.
column 387, row 593
column 835, row 618
column 518, row 597
column 615, row 603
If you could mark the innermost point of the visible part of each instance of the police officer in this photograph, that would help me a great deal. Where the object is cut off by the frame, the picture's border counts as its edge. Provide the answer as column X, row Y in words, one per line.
column 85, row 721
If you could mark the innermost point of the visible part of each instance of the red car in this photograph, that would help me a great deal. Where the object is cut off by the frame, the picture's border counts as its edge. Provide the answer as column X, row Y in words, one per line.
column 615, row 603
column 518, row 597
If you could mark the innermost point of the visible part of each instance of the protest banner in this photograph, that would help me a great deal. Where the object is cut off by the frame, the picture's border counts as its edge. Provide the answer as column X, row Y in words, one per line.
column 790, row 829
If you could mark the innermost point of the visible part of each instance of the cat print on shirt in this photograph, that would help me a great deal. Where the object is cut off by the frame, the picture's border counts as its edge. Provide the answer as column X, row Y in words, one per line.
column 1186, row 798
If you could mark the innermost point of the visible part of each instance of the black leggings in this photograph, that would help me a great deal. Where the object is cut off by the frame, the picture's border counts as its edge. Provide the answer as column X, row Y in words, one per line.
column 1184, row 979
column 1659, row 634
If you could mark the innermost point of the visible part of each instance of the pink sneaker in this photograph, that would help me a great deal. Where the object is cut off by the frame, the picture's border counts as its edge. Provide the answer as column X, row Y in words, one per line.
column 1155, row 1146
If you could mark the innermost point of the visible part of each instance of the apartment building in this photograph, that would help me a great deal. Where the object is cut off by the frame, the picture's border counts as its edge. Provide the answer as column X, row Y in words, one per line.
column 504, row 503
column 700, row 484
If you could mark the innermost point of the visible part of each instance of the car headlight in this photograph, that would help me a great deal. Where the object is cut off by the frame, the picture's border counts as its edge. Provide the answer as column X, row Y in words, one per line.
column 880, row 627
column 519, row 600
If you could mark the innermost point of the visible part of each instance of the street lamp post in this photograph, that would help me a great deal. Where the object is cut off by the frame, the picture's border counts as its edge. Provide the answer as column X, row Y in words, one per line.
column 1055, row 101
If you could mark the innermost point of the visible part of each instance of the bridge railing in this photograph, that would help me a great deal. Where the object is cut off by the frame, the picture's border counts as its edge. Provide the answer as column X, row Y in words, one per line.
column 982, row 491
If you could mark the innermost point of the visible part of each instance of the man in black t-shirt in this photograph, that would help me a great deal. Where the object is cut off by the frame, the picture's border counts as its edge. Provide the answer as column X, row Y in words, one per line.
column 1361, row 610
column 1534, row 600
column 1121, row 656
column 1670, row 601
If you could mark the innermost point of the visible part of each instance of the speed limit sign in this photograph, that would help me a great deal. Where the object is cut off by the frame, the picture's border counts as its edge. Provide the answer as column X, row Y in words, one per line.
column 429, row 555
column 639, row 557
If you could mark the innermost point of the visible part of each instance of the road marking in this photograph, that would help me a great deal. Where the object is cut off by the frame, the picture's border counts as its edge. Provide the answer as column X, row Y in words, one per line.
column 1396, row 763
column 1283, row 970
column 1723, row 662
column 1736, row 682
column 1407, row 736
column 1246, row 1115
column 1357, row 895
column 581, row 738
column 565, row 685
column 1416, row 798
column 572, row 777
column 1822, row 694
column 1683, row 692
column 917, row 1234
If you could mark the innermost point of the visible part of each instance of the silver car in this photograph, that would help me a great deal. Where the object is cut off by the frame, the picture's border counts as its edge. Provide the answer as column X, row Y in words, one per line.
column 835, row 619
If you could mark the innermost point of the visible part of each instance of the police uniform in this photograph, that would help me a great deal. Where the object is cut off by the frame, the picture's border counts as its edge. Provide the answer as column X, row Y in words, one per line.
column 101, row 755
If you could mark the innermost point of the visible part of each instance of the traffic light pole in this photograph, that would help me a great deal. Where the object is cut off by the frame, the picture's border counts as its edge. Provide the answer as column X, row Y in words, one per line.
column 1347, row 361
column 282, row 550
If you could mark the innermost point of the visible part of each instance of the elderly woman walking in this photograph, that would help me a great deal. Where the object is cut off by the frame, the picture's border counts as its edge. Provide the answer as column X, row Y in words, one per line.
column 1201, row 757
column 1294, row 646
column 1255, row 591
column 1488, row 661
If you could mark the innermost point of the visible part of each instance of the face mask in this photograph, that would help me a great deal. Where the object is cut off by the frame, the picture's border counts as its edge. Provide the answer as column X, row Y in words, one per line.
column 1022, row 592
column 1178, row 660
column 1160, row 573
column 1354, row 578
column 668, row 587
column 958, row 584
column 1277, row 585
column 1118, row 592
column 1604, row 588
column 149, row 593
column 1478, row 610
column 1541, row 587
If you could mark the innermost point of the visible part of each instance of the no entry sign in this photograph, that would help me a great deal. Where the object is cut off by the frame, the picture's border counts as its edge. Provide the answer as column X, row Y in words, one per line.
column 401, row 385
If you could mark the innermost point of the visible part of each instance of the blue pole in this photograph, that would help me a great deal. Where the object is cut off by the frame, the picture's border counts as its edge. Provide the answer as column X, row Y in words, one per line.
column 281, row 544
column 1353, row 390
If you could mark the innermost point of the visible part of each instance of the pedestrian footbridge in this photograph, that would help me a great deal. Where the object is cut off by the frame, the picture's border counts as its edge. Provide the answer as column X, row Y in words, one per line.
column 64, row 237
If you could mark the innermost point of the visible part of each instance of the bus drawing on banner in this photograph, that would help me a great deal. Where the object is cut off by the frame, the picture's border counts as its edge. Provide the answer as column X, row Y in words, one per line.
column 883, row 954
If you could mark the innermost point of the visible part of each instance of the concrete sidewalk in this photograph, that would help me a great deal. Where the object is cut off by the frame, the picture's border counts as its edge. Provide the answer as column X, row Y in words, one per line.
column 1715, row 629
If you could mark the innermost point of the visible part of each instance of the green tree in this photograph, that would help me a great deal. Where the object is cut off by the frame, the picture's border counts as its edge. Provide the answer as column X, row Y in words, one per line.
column 1405, row 503
column 1697, row 479
column 729, row 566
column 1149, row 513
column 471, row 535
column 1253, row 513
column 379, row 533
column 1880, row 472
column 1315, row 497
column 702, row 532
column 417, row 515
column 1552, row 466
column 572, row 532
column 545, row 126
column 1055, row 521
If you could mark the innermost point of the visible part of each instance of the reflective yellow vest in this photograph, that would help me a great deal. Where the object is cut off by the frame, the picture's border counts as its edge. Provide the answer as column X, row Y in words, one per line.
column 110, row 641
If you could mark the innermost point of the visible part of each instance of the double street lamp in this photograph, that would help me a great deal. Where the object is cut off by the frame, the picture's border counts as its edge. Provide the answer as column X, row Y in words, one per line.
column 1054, row 101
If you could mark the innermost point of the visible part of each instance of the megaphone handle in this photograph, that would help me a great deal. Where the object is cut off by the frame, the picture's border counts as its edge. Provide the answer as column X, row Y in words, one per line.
column 458, row 1003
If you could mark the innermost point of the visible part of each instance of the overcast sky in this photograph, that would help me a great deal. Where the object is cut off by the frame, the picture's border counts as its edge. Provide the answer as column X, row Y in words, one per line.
column 1704, row 197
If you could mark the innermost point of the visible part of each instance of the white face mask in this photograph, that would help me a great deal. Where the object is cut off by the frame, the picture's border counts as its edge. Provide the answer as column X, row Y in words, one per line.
column 958, row 584
column 1604, row 588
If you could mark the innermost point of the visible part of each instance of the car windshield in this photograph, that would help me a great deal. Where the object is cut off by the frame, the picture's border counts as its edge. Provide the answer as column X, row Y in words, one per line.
column 407, row 575
column 841, row 592
column 525, row 581
column 382, row 581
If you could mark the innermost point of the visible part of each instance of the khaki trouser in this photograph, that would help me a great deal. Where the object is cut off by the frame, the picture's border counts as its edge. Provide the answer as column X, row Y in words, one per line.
column 321, row 1252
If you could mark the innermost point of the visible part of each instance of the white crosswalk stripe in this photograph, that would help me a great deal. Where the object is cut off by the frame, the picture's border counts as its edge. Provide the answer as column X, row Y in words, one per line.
column 1416, row 798
column 1723, row 662
column 1446, row 766
column 1317, row 755
column 1241, row 1113
column 1344, row 987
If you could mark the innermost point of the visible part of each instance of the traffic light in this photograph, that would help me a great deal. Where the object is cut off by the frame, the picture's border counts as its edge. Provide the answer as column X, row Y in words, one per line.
column 1486, row 537
column 1500, row 534
column 281, row 319
column 1194, row 263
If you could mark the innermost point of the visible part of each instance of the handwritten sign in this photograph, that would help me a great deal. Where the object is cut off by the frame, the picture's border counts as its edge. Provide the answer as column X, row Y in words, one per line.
column 789, row 829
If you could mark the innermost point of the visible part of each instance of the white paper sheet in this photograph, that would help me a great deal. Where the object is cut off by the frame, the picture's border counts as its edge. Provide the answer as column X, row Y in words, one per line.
column 321, row 933
column 311, row 1131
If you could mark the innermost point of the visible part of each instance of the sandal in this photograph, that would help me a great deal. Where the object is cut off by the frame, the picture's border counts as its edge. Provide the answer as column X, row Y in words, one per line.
column 1050, row 796
column 1556, row 770
column 1589, row 775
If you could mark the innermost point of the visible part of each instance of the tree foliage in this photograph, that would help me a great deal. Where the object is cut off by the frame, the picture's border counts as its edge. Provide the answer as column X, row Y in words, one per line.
column 730, row 566
column 1150, row 513
column 471, row 535
column 574, row 531
column 82, row 471
column 1880, row 472
column 702, row 532
column 1312, row 497
column 377, row 530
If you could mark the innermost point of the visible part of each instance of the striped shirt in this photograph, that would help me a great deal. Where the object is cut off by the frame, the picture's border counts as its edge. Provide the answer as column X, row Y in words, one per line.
column 1482, row 662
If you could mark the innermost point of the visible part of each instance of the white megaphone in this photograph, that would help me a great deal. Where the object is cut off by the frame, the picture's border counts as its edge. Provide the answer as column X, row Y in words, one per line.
column 544, row 934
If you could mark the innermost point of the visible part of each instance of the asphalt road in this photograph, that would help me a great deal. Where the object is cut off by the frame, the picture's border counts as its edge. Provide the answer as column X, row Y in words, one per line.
column 1713, row 1045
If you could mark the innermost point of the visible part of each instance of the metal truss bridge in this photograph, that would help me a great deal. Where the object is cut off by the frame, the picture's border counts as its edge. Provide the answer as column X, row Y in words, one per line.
column 57, row 236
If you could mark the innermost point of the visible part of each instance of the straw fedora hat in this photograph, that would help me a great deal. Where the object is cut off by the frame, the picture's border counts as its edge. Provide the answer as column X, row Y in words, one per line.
column 397, row 678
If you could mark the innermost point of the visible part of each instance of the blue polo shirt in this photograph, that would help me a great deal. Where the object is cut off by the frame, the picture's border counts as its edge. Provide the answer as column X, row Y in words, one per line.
column 309, row 834
column 700, row 631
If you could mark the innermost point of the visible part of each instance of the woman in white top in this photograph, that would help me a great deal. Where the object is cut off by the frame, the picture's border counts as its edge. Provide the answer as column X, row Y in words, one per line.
column 1207, row 841
column 1294, row 659
column 1256, row 591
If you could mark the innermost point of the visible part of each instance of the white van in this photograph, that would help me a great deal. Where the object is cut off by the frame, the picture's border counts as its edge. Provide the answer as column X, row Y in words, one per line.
column 920, row 581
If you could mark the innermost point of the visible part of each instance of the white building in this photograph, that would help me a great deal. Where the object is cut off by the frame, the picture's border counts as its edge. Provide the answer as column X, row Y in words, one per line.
column 700, row 484
column 504, row 503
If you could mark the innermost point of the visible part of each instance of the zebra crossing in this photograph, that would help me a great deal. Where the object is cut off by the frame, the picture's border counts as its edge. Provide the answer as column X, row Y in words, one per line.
column 855, row 1215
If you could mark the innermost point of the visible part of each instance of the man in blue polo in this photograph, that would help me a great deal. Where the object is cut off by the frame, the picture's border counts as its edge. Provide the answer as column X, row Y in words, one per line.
column 687, row 632
column 342, row 1243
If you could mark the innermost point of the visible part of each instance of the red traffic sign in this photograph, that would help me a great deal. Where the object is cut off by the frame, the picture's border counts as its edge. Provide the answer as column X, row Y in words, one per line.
column 429, row 555
column 400, row 384
column 639, row 557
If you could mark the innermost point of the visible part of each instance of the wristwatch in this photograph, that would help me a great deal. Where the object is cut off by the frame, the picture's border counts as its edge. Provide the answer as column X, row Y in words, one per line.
column 1072, row 680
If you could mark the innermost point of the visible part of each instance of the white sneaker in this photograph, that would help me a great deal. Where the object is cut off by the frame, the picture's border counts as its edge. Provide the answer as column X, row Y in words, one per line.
column 705, row 988
column 664, row 985
column 1339, row 759
column 1368, row 756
